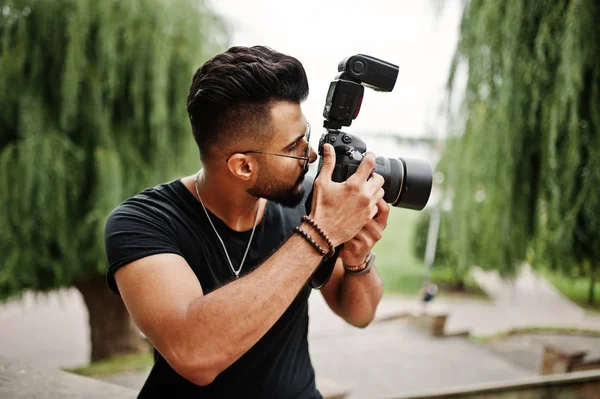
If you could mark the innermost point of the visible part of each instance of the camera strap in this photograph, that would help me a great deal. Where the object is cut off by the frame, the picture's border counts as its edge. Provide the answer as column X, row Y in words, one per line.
column 321, row 275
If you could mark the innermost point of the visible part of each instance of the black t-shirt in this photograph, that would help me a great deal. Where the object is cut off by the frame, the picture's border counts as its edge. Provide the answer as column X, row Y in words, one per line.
column 168, row 219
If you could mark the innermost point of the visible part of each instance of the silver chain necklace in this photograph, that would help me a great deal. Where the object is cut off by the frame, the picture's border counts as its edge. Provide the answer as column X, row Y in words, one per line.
column 236, row 272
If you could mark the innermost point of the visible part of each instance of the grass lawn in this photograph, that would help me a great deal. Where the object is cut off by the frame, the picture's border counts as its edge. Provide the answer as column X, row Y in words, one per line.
column 536, row 330
column 576, row 289
column 115, row 365
column 401, row 271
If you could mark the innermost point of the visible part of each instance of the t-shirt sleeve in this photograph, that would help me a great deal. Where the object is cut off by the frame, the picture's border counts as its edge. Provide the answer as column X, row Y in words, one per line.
column 133, row 232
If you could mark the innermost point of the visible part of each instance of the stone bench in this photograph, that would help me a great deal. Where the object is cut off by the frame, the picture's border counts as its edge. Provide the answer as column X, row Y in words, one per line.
column 435, row 325
column 558, row 360
column 580, row 385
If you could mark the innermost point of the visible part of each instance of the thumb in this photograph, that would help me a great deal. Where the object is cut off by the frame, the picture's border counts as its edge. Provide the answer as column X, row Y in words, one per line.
column 328, row 164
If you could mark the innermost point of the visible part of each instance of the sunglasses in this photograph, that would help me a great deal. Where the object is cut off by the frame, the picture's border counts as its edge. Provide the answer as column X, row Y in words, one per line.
column 304, row 157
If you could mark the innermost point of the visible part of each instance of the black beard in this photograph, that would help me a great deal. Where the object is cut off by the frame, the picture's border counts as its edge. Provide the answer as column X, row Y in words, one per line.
column 290, row 200
column 273, row 190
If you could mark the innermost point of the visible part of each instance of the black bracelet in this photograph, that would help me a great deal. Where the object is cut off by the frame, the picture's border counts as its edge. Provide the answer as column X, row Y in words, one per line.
column 308, row 238
column 321, row 233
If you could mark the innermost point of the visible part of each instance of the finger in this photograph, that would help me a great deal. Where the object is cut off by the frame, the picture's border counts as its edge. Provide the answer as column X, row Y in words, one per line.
column 374, row 210
column 374, row 231
column 365, row 168
column 379, row 194
column 383, row 211
column 358, row 242
column 375, row 182
column 328, row 164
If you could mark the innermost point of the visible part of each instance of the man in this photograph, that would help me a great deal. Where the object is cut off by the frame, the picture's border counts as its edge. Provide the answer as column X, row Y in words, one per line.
column 213, row 267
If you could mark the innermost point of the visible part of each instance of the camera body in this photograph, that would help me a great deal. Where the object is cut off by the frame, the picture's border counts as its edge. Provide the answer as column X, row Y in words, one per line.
column 407, row 182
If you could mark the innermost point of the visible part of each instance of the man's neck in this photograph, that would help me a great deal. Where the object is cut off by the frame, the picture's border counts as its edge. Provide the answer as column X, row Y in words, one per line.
column 233, row 205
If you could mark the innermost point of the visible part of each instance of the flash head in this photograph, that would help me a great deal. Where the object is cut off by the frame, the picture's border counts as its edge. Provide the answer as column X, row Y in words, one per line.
column 372, row 72
column 345, row 93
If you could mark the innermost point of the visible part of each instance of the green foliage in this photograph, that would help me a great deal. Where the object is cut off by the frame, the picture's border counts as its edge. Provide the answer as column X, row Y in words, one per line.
column 402, row 269
column 395, row 258
column 572, row 286
column 92, row 110
column 445, row 267
column 442, row 256
column 524, row 176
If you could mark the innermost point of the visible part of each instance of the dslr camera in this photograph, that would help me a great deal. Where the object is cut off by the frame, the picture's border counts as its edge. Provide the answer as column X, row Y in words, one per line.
column 407, row 181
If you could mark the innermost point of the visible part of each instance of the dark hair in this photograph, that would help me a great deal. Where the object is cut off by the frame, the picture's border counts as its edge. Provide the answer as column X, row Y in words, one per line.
column 232, row 94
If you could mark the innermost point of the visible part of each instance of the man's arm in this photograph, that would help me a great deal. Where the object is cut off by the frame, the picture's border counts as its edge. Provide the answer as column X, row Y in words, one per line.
column 201, row 335
column 355, row 297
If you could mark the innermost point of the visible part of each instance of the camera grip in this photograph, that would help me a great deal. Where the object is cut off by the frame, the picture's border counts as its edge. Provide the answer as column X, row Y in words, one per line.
column 339, row 173
column 342, row 172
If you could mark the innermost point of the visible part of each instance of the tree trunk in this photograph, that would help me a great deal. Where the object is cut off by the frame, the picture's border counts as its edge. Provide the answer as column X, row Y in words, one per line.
column 112, row 330
column 590, row 299
column 459, row 285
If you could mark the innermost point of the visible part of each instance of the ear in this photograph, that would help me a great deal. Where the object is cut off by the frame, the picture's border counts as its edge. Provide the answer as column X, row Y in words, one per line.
column 242, row 166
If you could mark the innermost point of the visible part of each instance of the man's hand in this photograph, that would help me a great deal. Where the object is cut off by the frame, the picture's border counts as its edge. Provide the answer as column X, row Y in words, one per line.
column 358, row 248
column 344, row 209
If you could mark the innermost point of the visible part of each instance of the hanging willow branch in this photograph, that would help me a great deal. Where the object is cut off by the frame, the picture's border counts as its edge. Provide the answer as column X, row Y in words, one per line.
column 524, row 174
column 92, row 109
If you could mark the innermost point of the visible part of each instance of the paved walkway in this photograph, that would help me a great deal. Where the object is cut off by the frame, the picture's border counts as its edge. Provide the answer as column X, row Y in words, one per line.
column 528, row 301
column 385, row 359
column 388, row 358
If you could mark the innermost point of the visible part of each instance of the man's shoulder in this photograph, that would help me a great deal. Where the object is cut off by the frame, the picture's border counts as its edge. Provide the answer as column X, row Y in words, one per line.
column 153, row 195
column 150, row 201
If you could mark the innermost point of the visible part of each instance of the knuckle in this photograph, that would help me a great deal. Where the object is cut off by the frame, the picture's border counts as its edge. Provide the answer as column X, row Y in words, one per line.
column 353, row 186
column 385, row 208
column 355, row 250
column 370, row 156
column 365, row 200
column 380, row 179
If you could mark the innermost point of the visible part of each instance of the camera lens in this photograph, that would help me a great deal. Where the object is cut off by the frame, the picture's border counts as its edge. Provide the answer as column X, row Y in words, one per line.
column 407, row 182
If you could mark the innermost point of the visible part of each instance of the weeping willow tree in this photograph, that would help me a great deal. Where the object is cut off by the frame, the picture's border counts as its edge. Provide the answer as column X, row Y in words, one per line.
column 92, row 110
column 524, row 174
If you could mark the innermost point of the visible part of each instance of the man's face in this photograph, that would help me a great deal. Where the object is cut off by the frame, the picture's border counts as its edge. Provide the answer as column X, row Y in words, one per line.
column 280, row 178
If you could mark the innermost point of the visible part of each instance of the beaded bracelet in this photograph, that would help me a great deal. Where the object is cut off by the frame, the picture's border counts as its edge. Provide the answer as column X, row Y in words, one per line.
column 357, row 268
column 321, row 233
column 308, row 238
column 354, row 271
